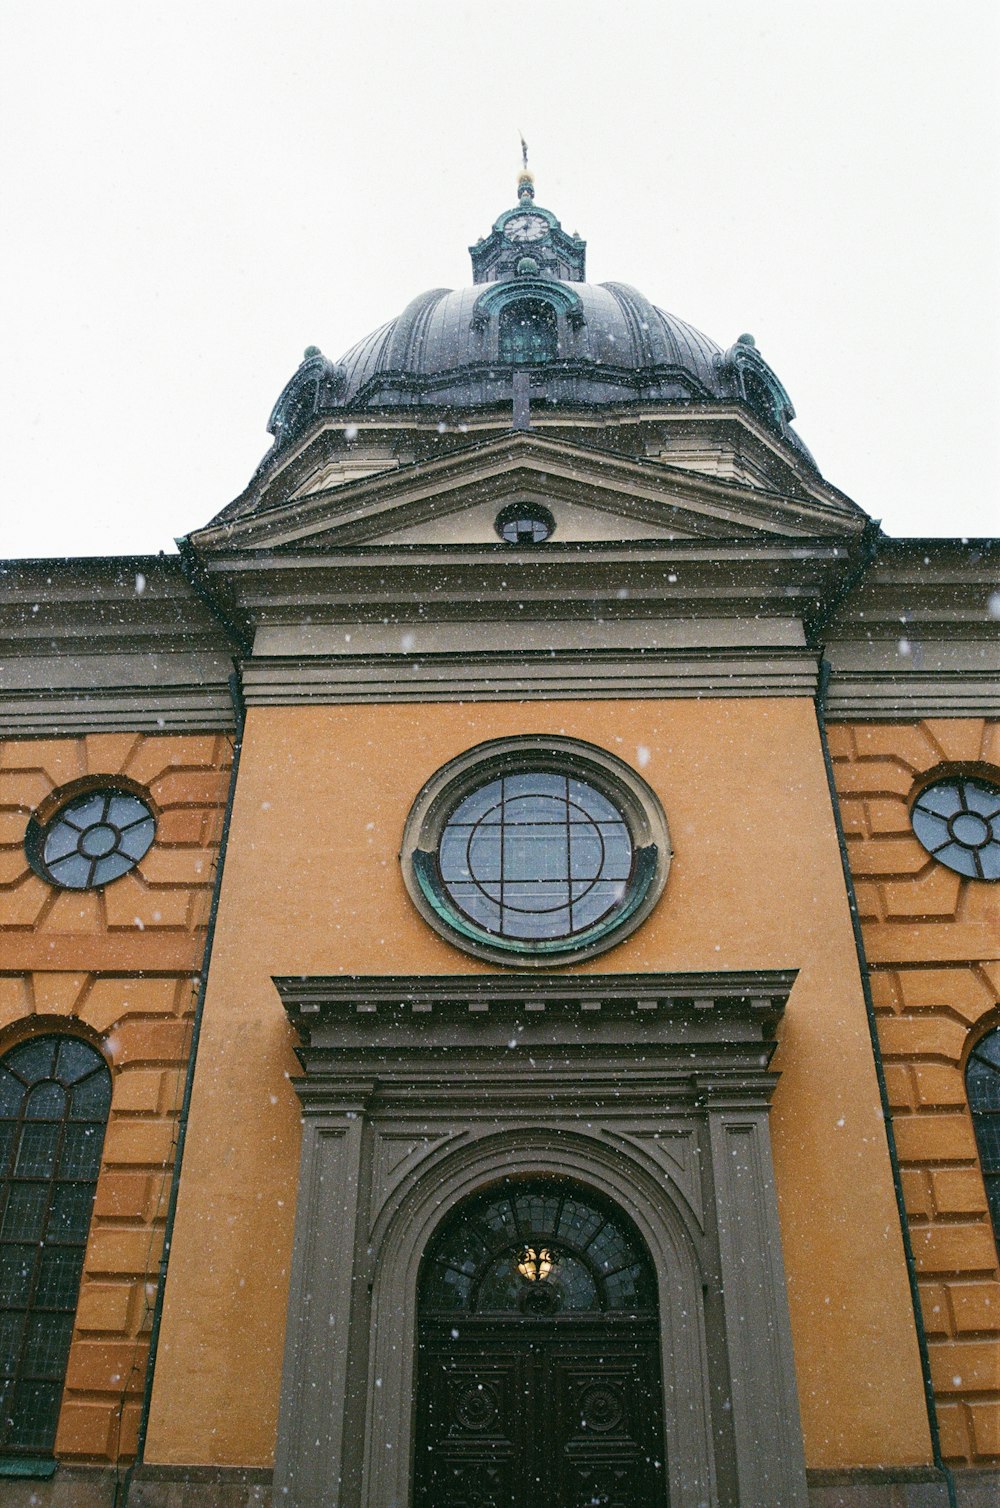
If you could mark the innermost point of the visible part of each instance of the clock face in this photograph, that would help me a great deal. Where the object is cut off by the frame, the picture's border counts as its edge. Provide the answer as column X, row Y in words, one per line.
column 526, row 228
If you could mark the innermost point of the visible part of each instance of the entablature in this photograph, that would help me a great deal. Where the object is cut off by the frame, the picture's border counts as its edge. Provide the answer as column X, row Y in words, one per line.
column 98, row 645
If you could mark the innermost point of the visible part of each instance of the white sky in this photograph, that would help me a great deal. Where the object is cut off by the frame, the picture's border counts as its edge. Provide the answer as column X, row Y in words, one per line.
column 194, row 192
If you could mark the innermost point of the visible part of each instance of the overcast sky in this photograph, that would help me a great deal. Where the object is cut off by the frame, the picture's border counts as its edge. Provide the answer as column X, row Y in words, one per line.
column 194, row 192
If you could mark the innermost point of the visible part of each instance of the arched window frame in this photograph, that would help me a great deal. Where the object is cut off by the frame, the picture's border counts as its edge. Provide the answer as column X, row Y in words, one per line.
column 46, row 1202
column 982, row 1087
column 528, row 333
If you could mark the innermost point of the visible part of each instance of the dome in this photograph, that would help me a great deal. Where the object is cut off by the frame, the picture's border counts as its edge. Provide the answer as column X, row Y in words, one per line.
column 609, row 344
column 529, row 310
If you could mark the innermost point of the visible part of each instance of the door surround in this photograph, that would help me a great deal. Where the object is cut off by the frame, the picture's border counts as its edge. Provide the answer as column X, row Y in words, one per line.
column 652, row 1090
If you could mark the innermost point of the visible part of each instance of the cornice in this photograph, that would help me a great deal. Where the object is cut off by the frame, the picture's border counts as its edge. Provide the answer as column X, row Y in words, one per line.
column 919, row 634
column 412, row 1007
column 44, row 713
column 93, row 646
column 594, row 582
column 590, row 675
column 437, row 432
column 887, row 696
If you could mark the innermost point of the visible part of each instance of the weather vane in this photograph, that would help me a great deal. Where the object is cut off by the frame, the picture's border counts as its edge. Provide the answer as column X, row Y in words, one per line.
column 524, row 153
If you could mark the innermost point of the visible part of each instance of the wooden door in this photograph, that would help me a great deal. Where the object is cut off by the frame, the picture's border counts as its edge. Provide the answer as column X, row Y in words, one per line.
column 537, row 1414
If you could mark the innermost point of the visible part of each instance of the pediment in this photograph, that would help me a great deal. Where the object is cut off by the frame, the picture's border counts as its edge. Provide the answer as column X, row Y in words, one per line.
column 595, row 497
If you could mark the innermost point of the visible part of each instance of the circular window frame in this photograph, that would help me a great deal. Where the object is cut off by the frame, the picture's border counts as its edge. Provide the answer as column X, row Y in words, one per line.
column 525, row 508
column 449, row 786
column 49, row 810
column 975, row 770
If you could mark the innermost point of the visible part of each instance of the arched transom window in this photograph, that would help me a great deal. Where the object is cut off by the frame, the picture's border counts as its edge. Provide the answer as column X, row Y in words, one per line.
column 537, row 1249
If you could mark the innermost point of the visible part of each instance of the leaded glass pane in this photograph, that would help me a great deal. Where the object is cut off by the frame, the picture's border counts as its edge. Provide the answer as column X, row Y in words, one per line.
column 546, row 784
column 16, row 1268
column 11, row 1093
column 46, row 1102
column 11, row 1330
column 70, row 1212
column 983, row 1085
column 73, row 872
column 59, row 1269
column 89, row 1099
column 33, row 1415
column 46, row 1200
column 33, row 1060
column 988, row 1049
column 538, row 1250
column 125, row 811
column 85, row 812
column 111, row 868
column 958, row 821
column 94, row 839
column 61, row 843
column 25, row 1211
column 76, row 1060
column 81, row 1151
column 536, row 855
column 483, row 805
column 982, row 798
column 36, row 1154
column 528, row 333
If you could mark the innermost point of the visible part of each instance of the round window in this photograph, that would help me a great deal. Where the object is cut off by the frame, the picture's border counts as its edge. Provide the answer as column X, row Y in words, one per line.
column 958, row 821
column 524, row 524
column 91, row 839
column 531, row 850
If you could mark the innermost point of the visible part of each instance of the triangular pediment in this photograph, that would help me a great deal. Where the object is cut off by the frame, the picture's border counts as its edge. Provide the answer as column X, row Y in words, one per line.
column 595, row 497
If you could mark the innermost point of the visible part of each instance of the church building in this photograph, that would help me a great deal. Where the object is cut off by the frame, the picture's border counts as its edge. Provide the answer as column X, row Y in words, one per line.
column 500, row 952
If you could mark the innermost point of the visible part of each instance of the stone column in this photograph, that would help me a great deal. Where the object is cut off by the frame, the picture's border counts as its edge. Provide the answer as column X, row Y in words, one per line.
column 309, row 1466
column 770, row 1464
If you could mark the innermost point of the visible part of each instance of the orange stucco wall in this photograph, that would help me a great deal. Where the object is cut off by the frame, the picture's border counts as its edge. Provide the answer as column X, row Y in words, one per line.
column 933, row 943
column 313, row 886
column 119, row 967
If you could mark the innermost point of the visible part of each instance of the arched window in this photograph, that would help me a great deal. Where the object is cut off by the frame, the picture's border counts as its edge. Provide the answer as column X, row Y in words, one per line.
column 528, row 332
column 982, row 1078
column 55, row 1093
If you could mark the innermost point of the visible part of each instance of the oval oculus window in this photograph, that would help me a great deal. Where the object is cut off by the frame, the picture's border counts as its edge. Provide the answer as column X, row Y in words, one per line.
column 534, row 850
column 92, row 839
column 524, row 524
column 958, row 821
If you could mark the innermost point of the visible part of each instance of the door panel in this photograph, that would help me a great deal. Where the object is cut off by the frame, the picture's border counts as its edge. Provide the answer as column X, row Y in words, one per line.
column 471, row 1439
column 603, row 1429
column 545, row 1416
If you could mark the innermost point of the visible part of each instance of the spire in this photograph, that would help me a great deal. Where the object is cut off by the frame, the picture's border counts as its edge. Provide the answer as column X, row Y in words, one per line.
column 525, row 180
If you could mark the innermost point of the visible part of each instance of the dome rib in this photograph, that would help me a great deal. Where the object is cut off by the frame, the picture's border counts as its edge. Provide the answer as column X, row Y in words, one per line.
column 410, row 330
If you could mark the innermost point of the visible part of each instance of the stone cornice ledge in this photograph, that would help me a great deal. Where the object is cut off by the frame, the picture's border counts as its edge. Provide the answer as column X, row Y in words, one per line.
column 715, row 1002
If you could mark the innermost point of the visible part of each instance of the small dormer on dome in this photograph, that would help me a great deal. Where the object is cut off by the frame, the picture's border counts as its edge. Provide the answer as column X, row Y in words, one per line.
column 316, row 387
column 754, row 383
